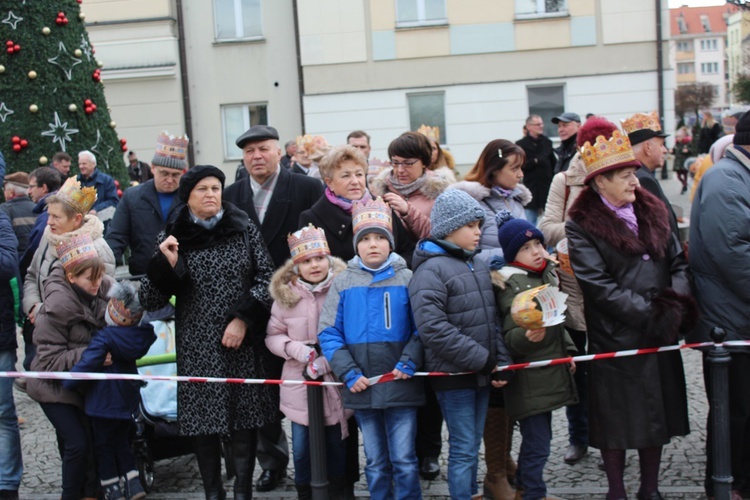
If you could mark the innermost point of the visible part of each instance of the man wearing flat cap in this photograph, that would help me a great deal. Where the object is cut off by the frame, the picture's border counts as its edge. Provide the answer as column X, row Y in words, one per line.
column 19, row 207
column 567, row 129
column 647, row 138
column 274, row 198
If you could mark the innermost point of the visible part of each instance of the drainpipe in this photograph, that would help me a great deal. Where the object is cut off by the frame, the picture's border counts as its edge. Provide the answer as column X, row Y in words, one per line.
column 660, row 61
column 300, row 75
column 184, row 82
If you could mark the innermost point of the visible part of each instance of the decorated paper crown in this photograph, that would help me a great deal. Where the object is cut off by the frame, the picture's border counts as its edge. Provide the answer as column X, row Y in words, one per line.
column 539, row 307
column 312, row 143
column 371, row 214
column 124, row 308
column 81, row 199
column 308, row 242
column 607, row 154
column 77, row 249
column 430, row 132
column 642, row 127
column 171, row 151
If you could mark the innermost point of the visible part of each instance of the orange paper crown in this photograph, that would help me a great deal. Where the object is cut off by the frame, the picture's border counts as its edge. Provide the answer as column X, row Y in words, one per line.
column 81, row 199
column 430, row 132
column 371, row 214
column 607, row 154
column 642, row 121
column 75, row 250
column 171, row 151
column 312, row 143
column 308, row 242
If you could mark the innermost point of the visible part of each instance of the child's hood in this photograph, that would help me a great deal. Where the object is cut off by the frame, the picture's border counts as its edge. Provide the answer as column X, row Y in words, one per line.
column 430, row 248
column 285, row 292
column 127, row 342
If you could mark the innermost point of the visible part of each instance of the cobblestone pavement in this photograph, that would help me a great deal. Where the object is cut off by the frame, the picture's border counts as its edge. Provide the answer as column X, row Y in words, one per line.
column 177, row 478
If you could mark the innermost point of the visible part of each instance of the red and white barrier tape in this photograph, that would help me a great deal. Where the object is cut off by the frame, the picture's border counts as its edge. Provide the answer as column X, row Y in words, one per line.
column 379, row 379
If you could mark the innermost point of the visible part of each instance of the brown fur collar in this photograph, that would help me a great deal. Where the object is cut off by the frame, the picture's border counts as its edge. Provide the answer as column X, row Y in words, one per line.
column 654, row 232
column 437, row 181
column 281, row 289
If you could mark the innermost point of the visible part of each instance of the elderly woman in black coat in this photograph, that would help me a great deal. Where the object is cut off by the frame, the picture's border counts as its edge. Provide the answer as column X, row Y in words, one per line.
column 636, row 294
column 213, row 259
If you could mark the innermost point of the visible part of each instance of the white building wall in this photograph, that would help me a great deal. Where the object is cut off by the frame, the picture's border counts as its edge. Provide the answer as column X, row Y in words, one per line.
column 708, row 57
column 476, row 114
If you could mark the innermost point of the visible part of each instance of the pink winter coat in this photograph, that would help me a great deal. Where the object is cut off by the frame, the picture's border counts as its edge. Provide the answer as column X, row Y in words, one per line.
column 292, row 330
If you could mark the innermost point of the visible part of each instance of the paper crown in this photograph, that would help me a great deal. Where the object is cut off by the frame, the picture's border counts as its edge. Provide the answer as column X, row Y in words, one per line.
column 430, row 132
column 81, row 199
column 607, row 154
column 308, row 242
column 642, row 121
column 312, row 143
column 124, row 308
column 171, row 151
column 371, row 214
column 76, row 250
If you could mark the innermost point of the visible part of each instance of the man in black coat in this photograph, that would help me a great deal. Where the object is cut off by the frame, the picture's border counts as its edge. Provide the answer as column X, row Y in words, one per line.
column 539, row 166
column 567, row 129
column 19, row 207
column 647, row 138
column 145, row 209
column 273, row 197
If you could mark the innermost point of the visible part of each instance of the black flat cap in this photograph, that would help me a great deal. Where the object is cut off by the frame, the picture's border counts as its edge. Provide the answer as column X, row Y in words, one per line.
column 566, row 117
column 257, row 133
column 644, row 134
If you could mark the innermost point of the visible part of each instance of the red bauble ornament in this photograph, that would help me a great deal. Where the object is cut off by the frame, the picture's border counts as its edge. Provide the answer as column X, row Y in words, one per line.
column 9, row 43
column 61, row 14
column 15, row 139
column 93, row 107
column 88, row 110
column 24, row 143
column 17, row 148
column 10, row 50
column 119, row 193
column 123, row 141
column 124, row 147
column 65, row 21
column 16, row 48
column 87, row 102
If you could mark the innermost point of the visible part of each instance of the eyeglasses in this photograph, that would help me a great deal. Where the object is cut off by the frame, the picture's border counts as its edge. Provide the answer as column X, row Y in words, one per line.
column 536, row 124
column 403, row 164
column 33, row 186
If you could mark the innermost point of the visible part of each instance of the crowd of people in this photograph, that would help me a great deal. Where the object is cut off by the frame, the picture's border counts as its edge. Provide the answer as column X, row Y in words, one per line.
column 317, row 264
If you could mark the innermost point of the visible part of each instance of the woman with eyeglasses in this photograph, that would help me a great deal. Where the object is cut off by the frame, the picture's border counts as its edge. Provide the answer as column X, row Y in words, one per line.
column 344, row 172
column 410, row 187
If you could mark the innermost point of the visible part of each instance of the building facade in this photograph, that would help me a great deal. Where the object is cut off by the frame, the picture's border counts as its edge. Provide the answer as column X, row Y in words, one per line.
column 738, row 48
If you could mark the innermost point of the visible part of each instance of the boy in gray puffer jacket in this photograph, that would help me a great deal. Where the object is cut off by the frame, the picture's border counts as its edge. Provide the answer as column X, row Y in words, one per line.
column 454, row 309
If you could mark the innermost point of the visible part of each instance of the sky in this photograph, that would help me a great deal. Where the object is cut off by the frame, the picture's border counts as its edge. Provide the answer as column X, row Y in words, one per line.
column 694, row 3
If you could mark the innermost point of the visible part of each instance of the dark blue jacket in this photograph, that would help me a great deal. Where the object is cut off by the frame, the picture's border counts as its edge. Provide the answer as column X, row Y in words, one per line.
column 35, row 235
column 116, row 399
column 8, row 271
column 106, row 191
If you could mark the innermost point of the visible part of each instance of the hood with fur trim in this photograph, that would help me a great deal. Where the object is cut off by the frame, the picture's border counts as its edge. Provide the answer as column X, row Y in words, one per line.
column 654, row 233
column 437, row 181
column 91, row 226
column 479, row 192
column 281, row 287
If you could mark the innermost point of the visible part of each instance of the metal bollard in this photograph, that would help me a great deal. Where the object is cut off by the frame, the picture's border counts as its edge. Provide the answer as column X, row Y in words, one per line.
column 718, row 361
column 318, row 469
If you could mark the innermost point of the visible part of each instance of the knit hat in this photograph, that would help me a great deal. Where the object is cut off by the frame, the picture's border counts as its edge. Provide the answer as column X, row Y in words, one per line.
column 194, row 176
column 742, row 130
column 372, row 216
column 123, row 308
column 514, row 233
column 452, row 210
column 307, row 243
column 170, row 151
column 76, row 250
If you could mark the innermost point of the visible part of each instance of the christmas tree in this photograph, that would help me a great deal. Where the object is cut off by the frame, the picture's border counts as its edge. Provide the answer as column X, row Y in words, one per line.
column 51, row 95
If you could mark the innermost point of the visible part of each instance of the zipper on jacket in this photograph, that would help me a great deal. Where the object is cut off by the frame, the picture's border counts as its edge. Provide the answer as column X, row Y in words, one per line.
column 387, row 309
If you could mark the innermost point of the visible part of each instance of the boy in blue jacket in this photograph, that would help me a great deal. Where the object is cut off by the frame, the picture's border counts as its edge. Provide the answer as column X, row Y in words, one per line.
column 111, row 403
column 367, row 329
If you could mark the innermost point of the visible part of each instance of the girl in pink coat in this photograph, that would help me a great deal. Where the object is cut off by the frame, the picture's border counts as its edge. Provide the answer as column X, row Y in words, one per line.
column 299, row 289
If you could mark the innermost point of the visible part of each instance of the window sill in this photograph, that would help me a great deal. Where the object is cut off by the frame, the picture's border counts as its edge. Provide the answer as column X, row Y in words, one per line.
column 542, row 17
column 234, row 41
column 413, row 25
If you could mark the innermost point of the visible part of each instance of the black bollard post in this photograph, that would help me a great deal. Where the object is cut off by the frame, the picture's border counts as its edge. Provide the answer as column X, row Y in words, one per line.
column 718, row 361
column 318, row 469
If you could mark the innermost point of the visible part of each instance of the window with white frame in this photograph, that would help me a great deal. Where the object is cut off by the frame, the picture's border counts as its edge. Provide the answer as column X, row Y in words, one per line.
column 410, row 13
column 237, row 19
column 709, row 44
column 710, row 68
column 685, row 68
column 684, row 47
column 536, row 8
column 427, row 108
column 706, row 23
column 547, row 102
column 235, row 120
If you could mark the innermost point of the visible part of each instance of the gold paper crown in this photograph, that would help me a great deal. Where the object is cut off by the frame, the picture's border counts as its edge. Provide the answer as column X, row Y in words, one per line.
column 312, row 143
column 122, row 315
column 75, row 250
column 642, row 121
column 526, row 310
column 607, row 154
column 171, row 151
column 430, row 132
column 308, row 242
column 81, row 199
column 370, row 214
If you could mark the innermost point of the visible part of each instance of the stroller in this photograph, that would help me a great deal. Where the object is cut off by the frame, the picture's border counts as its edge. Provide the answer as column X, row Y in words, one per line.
column 156, row 434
